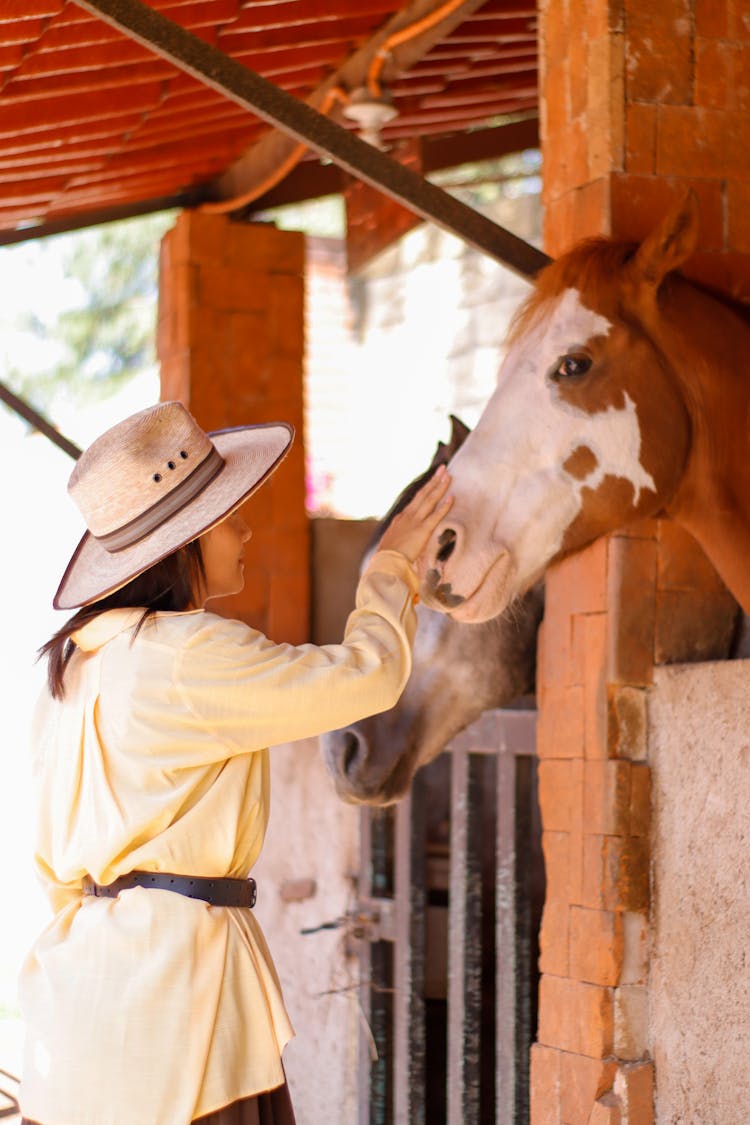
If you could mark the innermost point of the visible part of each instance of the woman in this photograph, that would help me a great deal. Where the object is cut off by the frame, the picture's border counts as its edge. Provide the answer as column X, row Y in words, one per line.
column 151, row 998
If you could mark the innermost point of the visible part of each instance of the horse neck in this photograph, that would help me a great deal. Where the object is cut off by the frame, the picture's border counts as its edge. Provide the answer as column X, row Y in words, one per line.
column 704, row 342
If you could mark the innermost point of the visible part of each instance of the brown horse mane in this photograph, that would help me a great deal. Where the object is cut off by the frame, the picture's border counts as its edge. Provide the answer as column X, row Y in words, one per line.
column 590, row 267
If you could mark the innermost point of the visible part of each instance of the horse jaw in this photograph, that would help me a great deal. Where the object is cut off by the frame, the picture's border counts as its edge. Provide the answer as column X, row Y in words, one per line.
column 457, row 673
column 520, row 477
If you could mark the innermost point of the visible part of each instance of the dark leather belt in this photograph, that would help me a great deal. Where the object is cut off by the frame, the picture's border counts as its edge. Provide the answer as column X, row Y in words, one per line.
column 218, row 892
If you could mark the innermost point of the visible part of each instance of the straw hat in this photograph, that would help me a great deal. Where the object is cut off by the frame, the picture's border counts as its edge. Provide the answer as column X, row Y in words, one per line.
column 151, row 484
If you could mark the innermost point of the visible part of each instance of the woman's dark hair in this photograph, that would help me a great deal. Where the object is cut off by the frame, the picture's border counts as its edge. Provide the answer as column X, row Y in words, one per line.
column 171, row 584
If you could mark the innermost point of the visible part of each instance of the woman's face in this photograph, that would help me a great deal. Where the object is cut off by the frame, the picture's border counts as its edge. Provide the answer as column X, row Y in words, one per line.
column 222, row 548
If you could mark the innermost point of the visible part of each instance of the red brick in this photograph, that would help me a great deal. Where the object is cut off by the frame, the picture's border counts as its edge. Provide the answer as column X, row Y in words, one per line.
column 632, row 576
column 558, row 220
column 558, row 1018
column 640, row 138
column 576, row 69
column 738, row 216
column 694, row 141
column 232, row 287
column 592, row 211
column 576, row 1017
column 606, row 1111
column 560, row 729
column 639, row 202
column 557, row 865
column 693, row 625
column 634, row 1085
column 713, row 73
column 584, row 575
column 288, row 613
column 556, row 104
column 596, row 655
column 740, row 83
column 712, row 18
column 262, row 247
column 553, row 939
column 582, row 1081
column 738, row 23
column 626, row 722
column 640, row 800
column 545, row 1085
column 596, row 945
column 560, row 794
column 727, row 272
column 606, row 803
column 553, row 31
column 659, row 57
column 216, row 357
column 615, row 873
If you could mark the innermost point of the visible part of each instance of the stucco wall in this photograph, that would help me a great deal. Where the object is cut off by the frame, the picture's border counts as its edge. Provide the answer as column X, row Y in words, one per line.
column 306, row 876
column 699, row 722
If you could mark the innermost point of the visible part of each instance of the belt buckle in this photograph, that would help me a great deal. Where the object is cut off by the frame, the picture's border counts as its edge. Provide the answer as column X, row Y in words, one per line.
column 253, row 891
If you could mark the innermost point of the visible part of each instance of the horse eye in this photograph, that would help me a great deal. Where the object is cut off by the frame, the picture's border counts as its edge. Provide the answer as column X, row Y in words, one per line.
column 572, row 366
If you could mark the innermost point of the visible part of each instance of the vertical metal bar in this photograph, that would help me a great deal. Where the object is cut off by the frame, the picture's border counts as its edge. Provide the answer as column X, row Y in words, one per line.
column 525, row 940
column 464, row 945
column 409, row 954
column 515, row 937
column 376, row 975
column 505, row 941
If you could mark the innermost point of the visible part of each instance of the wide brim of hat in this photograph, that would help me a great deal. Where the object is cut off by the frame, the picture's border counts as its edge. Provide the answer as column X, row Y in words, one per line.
column 251, row 454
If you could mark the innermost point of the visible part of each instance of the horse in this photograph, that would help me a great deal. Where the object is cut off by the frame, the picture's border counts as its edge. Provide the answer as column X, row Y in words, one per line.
column 458, row 671
column 623, row 394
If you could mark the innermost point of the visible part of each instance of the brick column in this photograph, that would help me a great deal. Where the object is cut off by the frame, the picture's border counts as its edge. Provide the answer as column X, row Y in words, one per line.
column 231, row 348
column 640, row 100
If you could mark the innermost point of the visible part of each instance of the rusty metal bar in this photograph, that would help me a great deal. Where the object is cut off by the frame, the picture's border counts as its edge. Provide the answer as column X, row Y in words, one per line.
column 409, row 960
column 513, row 916
column 464, row 943
column 376, row 974
column 267, row 101
column 38, row 421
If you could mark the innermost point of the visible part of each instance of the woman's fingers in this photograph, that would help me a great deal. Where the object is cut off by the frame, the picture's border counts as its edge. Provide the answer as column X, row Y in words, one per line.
column 411, row 529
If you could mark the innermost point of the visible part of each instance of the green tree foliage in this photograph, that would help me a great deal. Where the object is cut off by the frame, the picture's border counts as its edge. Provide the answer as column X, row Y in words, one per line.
column 104, row 333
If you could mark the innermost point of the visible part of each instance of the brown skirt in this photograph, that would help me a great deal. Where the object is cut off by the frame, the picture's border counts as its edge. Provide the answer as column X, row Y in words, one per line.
column 272, row 1107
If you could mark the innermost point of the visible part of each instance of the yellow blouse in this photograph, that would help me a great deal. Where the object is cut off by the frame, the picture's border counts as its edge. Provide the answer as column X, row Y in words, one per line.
column 152, row 1008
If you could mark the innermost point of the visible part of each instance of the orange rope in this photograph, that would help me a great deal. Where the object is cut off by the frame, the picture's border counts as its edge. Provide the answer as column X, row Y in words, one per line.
column 403, row 35
column 336, row 93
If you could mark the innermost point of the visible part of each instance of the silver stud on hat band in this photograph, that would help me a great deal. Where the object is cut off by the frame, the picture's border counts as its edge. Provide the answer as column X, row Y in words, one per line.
column 166, row 506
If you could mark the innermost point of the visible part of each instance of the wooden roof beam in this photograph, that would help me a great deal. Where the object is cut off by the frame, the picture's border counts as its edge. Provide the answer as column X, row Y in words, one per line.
column 314, row 130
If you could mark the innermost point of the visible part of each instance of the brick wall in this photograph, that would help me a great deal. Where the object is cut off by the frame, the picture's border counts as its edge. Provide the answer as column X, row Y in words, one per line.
column 231, row 348
column 640, row 100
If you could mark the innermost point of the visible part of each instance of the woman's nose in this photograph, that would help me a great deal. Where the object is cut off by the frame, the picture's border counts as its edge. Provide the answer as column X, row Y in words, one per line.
column 241, row 527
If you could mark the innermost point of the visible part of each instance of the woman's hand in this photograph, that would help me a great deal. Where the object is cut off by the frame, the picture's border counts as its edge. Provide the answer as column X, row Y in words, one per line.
column 411, row 529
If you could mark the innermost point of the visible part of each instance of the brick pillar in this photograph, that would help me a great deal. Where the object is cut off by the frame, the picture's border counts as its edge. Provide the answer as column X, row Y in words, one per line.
column 231, row 348
column 640, row 100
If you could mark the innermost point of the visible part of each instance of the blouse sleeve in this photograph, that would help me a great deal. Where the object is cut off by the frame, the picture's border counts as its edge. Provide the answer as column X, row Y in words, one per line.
column 251, row 693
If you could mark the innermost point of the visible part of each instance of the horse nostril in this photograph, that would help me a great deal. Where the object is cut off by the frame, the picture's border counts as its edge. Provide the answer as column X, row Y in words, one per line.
column 447, row 544
column 351, row 752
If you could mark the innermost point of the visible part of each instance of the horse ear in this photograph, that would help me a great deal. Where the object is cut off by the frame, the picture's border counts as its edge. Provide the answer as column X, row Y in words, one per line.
column 459, row 433
column 670, row 244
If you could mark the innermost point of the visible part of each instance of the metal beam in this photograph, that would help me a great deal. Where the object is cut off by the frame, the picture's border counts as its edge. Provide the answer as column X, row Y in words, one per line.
column 264, row 158
column 275, row 106
column 38, row 421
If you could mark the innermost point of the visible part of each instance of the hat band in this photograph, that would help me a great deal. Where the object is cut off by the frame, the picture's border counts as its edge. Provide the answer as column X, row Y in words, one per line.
column 166, row 507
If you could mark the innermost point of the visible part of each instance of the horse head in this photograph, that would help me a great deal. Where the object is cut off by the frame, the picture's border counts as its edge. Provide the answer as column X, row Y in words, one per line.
column 458, row 671
column 589, row 428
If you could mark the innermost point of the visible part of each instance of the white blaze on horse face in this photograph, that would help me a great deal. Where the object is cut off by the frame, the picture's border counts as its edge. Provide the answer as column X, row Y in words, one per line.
column 511, row 490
